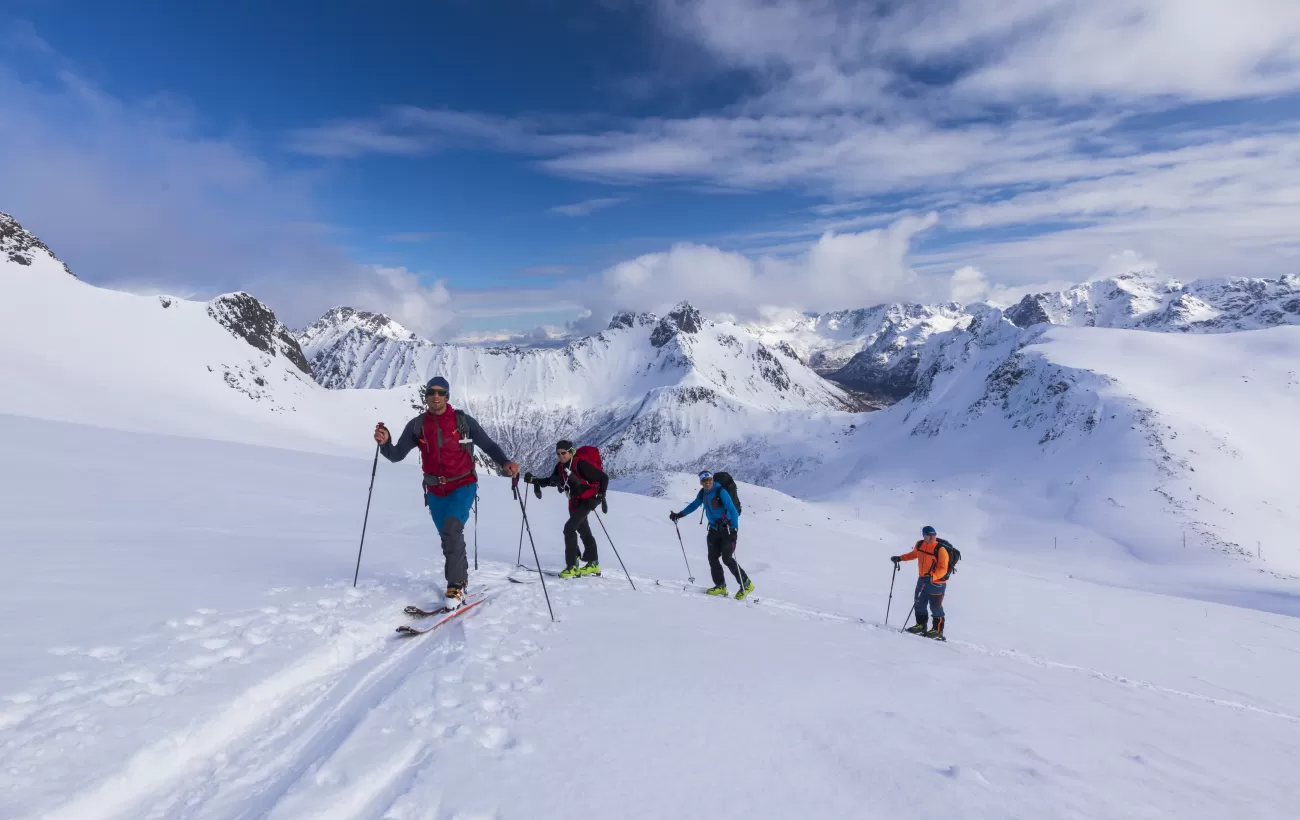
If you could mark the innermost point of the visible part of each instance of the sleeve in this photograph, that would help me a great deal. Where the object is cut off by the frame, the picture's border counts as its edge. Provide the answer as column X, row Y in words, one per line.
column 481, row 439
column 553, row 480
column 733, row 515
column 909, row 556
column 410, row 437
column 594, row 475
column 940, row 567
column 694, row 505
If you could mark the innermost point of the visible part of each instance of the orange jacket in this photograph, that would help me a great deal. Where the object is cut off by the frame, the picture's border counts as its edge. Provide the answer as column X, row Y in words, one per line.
column 933, row 563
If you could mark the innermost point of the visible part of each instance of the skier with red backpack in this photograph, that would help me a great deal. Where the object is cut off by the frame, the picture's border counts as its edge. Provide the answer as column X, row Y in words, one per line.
column 446, row 438
column 580, row 474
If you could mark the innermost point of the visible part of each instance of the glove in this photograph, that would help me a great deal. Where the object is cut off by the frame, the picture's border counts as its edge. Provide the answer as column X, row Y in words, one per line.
column 537, row 491
column 895, row 558
column 672, row 516
column 604, row 505
column 528, row 478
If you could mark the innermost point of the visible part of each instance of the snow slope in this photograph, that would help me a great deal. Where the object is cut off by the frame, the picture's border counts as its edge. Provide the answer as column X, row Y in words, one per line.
column 1172, row 449
column 223, row 370
column 230, row 670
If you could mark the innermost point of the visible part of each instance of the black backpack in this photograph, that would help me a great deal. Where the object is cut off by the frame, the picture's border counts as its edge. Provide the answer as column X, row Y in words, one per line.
column 954, row 555
column 726, row 482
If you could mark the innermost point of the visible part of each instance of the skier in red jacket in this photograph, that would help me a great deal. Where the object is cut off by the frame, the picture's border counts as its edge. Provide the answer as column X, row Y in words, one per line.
column 446, row 438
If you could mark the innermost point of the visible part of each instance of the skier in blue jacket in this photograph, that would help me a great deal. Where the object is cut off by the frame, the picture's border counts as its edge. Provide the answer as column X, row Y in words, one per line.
column 724, row 524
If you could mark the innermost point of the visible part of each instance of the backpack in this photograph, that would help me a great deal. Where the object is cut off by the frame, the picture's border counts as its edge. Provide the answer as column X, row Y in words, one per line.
column 462, row 433
column 726, row 482
column 954, row 555
column 591, row 455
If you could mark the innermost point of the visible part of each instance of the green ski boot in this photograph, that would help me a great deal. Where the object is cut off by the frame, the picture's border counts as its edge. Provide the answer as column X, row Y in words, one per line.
column 917, row 628
column 937, row 632
column 745, row 590
column 570, row 572
column 718, row 590
column 592, row 568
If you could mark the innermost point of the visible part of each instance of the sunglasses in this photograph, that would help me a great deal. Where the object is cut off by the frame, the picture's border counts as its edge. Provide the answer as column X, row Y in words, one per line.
column 706, row 481
column 436, row 391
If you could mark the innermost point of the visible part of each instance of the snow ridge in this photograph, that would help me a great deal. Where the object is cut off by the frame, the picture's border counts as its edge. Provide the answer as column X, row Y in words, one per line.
column 20, row 246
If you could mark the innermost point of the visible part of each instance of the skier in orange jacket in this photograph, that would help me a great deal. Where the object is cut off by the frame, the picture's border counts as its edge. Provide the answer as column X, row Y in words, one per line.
column 932, row 564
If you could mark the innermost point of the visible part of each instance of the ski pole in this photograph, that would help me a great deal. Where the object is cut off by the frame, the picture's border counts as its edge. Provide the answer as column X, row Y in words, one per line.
column 616, row 555
column 890, row 602
column 519, row 554
column 476, row 532
column 514, row 488
column 689, row 575
column 366, row 520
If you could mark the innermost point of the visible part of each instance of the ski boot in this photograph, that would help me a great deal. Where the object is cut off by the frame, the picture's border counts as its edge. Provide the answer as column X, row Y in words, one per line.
column 455, row 597
column 745, row 590
column 918, row 628
column 570, row 572
column 589, row 568
column 937, row 632
column 718, row 590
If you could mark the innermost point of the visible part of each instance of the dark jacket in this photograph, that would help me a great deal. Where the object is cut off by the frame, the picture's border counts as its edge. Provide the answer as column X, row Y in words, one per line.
column 576, row 480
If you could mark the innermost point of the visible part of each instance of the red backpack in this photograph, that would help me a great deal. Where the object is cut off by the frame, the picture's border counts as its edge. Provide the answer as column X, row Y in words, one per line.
column 590, row 455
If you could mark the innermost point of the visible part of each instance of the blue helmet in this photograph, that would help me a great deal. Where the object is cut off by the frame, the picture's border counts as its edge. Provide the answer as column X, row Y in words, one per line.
column 929, row 531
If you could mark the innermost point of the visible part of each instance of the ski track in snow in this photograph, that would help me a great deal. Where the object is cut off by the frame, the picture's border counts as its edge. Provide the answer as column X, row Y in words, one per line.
column 266, row 752
column 1120, row 680
column 270, row 751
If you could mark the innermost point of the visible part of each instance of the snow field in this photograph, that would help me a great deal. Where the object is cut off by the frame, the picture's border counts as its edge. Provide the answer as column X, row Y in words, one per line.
column 189, row 645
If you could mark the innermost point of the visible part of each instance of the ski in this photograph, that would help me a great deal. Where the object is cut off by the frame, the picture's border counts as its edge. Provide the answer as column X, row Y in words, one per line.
column 461, row 610
column 685, row 586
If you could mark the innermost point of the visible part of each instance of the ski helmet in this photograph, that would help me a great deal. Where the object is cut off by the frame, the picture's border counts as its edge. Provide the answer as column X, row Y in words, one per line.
column 929, row 531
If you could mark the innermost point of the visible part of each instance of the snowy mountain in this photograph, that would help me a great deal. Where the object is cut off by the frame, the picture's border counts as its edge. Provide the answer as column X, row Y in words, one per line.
column 1136, row 438
column 678, row 392
column 225, row 369
column 1142, row 300
column 870, row 350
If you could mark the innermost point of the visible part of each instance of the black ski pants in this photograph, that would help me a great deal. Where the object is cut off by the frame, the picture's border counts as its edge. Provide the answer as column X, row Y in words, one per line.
column 722, row 550
column 578, row 527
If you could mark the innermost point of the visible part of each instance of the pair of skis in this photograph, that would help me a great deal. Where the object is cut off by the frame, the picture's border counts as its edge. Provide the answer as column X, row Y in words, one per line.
column 472, row 600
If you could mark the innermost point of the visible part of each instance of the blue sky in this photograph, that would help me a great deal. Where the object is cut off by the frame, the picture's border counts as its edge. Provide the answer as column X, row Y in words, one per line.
column 494, row 166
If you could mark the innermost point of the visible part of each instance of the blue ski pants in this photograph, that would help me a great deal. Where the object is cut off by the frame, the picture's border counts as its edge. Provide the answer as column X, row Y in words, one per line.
column 929, row 594
column 450, row 514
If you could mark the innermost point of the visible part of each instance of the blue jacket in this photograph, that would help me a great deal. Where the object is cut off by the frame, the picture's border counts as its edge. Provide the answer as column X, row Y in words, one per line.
column 718, row 507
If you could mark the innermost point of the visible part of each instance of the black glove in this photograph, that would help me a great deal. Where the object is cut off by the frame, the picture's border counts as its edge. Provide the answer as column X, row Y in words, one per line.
column 537, row 491
column 672, row 516
column 895, row 558
column 604, row 505
column 528, row 478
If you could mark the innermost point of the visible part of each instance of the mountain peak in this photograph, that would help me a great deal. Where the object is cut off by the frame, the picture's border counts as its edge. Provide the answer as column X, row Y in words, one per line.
column 342, row 319
column 249, row 319
column 628, row 318
column 682, row 319
column 20, row 246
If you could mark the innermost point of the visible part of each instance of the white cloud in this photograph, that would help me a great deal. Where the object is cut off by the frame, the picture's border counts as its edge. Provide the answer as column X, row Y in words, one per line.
column 969, row 285
column 836, row 271
column 587, row 206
